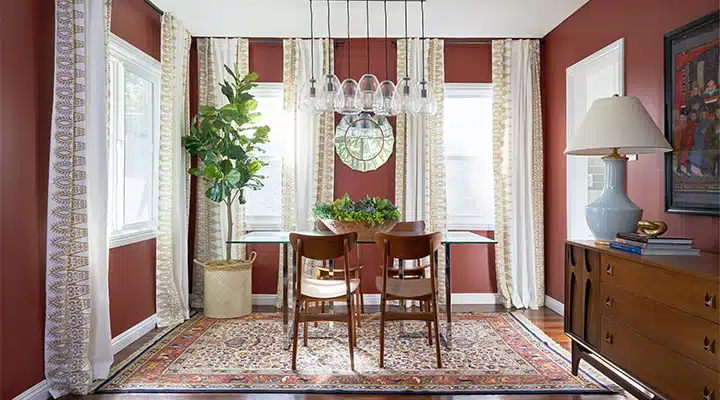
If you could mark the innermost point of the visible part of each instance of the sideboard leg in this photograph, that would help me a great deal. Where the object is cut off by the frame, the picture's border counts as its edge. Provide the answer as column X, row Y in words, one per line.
column 575, row 350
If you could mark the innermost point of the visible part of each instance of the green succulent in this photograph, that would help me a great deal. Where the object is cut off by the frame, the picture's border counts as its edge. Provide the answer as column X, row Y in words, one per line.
column 370, row 210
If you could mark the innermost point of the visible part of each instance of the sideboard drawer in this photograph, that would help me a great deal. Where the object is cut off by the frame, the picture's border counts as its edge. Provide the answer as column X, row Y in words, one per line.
column 659, row 367
column 694, row 337
column 693, row 295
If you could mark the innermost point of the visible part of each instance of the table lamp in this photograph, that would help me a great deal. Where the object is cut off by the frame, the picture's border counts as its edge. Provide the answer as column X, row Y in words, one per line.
column 612, row 127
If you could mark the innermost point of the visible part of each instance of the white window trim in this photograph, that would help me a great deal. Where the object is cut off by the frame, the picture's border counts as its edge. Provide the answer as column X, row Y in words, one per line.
column 150, row 69
column 468, row 90
column 265, row 222
column 574, row 72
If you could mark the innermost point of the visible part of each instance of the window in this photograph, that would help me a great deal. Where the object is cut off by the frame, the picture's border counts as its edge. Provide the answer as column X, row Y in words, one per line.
column 133, row 143
column 597, row 76
column 263, row 209
column 468, row 156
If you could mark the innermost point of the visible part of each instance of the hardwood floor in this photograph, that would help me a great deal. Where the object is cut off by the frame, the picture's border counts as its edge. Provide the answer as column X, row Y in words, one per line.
column 547, row 320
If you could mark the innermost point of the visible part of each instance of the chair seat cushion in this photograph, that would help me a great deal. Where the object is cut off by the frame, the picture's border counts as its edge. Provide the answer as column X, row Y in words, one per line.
column 406, row 288
column 327, row 289
column 339, row 270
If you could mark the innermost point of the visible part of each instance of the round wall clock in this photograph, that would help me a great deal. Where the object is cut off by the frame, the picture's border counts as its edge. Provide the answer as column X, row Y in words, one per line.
column 364, row 142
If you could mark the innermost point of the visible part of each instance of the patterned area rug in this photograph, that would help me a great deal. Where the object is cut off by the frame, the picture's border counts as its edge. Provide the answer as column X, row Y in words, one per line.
column 494, row 353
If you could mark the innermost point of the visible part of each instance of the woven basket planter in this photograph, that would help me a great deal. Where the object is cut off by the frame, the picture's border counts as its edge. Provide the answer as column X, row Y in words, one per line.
column 228, row 287
column 363, row 229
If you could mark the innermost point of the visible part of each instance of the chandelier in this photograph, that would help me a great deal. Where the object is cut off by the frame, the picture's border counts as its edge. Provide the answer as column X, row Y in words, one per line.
column 368, row 95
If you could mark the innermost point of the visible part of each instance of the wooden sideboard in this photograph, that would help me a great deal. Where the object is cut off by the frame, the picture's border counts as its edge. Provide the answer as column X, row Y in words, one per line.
column 655, row 319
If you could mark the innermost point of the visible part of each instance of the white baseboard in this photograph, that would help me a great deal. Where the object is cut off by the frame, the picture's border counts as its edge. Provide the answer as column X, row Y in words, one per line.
column 41, row 391
column 554, row 305
column 126, row 338
column 263, row 299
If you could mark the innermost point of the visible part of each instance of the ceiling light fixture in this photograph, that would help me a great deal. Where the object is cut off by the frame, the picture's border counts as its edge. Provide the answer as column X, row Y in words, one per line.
column 349, row 104
column 383, row 104
column 368, row 83
column 330, row 93
column 405, row 99
column 427, row 102
column 309, row 96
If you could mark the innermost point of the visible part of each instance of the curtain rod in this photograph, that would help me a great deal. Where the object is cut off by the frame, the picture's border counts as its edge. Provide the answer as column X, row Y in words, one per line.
column 341, row 41
column 154, row 7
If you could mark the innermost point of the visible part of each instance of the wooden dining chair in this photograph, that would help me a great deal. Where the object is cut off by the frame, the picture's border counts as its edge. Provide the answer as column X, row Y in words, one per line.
column 323, row 247
column 325, row 272
column 405, row 247
column 417, row 270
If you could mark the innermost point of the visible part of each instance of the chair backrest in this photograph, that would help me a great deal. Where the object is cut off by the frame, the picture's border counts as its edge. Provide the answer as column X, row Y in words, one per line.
column 408, row 247
column 409, row 226
column 322, row 247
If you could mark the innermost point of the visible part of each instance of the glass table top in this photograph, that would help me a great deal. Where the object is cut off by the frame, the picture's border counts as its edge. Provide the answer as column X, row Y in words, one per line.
column 276, row 237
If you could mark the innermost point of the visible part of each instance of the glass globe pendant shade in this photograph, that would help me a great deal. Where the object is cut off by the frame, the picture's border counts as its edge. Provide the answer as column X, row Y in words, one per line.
column 329, row 94
column 349, row 102
column 368, row 86
column 383, row 103
column 427, row 102
column 308, row 98
column 405, row 99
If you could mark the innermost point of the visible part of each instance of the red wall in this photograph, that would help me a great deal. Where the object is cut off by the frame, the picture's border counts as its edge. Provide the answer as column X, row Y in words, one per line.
column 473, row 266
column 25, row 96
column 26, row 87
column 642, row 23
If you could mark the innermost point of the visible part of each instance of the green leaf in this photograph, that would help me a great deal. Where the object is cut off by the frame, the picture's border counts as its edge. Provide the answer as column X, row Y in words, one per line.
column 206, row 111
column 217, row 192
column 231, row 72
column 225, row 166
column 212, row 171
column 252, row 77
column 196, row 172
column 233, row 177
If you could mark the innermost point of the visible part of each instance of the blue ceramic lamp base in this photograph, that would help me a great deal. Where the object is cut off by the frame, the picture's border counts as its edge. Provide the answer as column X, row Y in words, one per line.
column 613, row 212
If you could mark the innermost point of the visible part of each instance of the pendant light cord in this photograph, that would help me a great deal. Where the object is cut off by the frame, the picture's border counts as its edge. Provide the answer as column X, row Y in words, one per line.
column 347, row 10
column 367, row 14
column 386, row 41
column 331, row 68
column 312, row 45
column 422, row 57
column 407, row 40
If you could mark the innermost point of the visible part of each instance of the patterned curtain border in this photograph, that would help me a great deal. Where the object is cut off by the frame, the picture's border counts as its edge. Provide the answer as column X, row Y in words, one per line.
column 538, row 204
column 400, row 138
column 169, row 308
column 68, row 303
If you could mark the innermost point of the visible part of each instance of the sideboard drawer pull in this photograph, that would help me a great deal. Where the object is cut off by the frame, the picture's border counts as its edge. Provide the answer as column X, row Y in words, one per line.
column 709, row 300
column 609, row 337
column 609, row 269
column 708, row 394
column 608, row 302
column 709, row 345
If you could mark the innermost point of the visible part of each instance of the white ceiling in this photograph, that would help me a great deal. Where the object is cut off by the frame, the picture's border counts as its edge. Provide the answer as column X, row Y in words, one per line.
column 444, row 18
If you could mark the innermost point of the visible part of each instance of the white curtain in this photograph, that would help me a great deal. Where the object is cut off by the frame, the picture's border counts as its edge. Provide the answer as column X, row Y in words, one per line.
column 308, row 167
column 420, row 162
column 518, row 161
column 77, row 323
column 171, row 299
column 211, row 227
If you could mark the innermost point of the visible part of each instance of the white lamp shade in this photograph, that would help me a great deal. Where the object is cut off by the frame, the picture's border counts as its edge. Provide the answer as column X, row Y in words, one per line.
column 617, row 122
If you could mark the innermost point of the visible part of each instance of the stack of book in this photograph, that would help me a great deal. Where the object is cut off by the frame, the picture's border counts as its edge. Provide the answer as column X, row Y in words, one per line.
column 659, row 246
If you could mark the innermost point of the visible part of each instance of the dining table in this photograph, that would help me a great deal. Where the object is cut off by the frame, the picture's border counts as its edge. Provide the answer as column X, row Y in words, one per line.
column 283, row 238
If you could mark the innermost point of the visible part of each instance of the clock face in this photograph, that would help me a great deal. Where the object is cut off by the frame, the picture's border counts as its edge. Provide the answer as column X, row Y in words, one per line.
column 364, row 142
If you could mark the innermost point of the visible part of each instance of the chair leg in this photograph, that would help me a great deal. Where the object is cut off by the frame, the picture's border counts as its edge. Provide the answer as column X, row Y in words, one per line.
column 425, row 306
column 317, row 310
column 382, row 332
column 351, row 330
column 356, row 300
column 305, row 325
column 296, row 333
column 362, row 299
column 437, row 332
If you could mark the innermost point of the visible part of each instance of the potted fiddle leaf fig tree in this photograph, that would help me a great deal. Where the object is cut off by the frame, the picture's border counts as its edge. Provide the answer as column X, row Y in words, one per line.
column 227, row 141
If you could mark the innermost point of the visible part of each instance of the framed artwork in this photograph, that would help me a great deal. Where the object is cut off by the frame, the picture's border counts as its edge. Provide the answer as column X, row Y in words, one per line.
column 692, row 117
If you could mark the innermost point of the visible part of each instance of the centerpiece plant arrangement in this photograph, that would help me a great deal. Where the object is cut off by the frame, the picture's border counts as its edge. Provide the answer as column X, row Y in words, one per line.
column 366, row 216
column 227, row 142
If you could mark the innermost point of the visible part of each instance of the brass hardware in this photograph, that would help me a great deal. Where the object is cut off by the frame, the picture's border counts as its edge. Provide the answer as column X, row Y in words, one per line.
column 614, row 154
column 652, row 229
column 709, row 300
column 609, row 269
column 708, row 394
column 605, row 243
column 709, row 345
column 609, row 302
column 609, row 337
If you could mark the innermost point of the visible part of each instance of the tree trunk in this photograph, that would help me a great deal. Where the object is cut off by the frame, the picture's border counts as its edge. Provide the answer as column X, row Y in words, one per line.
column 228, row 246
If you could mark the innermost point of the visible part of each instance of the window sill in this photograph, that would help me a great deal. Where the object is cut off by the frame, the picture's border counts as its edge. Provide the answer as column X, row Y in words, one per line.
column 130, row 237
column 470, row 227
